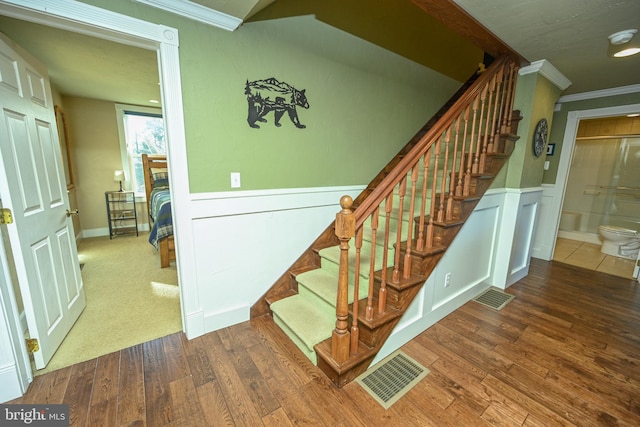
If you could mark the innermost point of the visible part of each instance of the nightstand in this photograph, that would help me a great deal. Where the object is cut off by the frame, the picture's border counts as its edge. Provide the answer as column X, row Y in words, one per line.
column 121, row 212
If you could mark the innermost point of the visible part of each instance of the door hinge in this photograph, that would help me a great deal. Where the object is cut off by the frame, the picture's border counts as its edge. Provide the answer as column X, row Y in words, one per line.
column 6, row 217
column 32, row 345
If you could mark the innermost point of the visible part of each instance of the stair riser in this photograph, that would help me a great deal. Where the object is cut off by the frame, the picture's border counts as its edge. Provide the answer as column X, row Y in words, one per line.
column 478, row 185
column 342, row 378
column 441, row 234
column 396, row 297
column 505, row 144
column 461, row 208
column 374, row 337
column 309, row 352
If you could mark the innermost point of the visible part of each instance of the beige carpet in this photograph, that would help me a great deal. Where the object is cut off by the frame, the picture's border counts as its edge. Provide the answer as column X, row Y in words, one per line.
column 130, row 299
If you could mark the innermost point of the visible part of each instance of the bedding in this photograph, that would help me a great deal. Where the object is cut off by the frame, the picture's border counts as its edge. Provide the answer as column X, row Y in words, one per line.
column 160, row 213
column 156, row 183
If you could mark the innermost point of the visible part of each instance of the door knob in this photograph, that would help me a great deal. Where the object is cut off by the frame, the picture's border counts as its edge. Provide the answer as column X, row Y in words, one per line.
column 73, row 212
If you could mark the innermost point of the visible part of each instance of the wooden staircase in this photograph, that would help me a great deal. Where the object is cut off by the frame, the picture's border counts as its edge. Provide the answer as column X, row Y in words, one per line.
column 341, row 299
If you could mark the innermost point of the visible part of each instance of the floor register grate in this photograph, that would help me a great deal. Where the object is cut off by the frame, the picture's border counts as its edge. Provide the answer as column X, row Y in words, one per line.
column 494, row 298
column 392, row 378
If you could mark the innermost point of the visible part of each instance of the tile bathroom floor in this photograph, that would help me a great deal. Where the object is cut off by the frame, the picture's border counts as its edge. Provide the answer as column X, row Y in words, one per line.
column 588, row 255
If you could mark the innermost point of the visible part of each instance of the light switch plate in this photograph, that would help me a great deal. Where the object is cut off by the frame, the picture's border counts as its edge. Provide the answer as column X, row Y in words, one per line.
column 235, row 179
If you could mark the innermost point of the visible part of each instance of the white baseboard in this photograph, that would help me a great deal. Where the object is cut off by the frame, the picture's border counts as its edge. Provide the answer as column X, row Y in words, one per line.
column 100, row 232
column 581, row 237
column 95, row 232
column 10, row 381
column 215, row 321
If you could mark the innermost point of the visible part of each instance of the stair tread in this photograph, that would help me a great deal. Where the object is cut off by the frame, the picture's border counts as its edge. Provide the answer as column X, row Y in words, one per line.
column 333, row 254
column 311, row 324
column 325, row 285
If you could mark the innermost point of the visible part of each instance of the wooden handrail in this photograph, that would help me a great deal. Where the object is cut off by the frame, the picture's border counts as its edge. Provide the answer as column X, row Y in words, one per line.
column 379, row 193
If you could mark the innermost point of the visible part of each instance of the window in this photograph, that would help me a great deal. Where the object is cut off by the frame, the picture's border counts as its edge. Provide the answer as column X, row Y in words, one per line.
column 141, row 131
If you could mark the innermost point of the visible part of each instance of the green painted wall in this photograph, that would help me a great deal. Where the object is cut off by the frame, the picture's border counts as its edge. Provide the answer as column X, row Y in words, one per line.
column 365, row 102
column 560, row 123
column 535, row 98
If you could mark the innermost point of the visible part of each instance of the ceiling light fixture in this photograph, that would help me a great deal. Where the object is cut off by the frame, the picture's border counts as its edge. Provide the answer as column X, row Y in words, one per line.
column 621, row 44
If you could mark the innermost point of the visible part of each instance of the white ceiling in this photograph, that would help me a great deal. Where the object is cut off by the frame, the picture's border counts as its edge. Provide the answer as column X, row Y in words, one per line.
column 571, row 34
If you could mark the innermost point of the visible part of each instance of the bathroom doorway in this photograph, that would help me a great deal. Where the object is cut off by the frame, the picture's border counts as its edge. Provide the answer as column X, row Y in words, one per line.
column 603, row 189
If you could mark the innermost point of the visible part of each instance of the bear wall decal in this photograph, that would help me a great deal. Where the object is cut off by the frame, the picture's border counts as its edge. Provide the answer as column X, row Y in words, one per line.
column 264, row 96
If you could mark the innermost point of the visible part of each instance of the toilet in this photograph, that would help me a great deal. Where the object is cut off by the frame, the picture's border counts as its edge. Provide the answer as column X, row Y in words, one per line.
column 614, row 237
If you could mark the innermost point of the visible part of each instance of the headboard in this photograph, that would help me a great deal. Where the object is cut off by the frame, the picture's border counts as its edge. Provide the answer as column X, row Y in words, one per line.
column 149, row 163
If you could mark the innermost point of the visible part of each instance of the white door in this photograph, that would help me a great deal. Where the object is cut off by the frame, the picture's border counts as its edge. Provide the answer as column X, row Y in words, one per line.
column 33, row 186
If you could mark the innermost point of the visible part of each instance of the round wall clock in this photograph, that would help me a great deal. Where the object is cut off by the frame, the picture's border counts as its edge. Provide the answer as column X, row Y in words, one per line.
column 540, row 137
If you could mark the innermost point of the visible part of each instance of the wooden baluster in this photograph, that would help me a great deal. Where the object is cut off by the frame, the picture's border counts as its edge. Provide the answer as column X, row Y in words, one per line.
column 475, row 141
column 496, row 111
column 425, row 177
column 467, row 178
column 463, row 146
column 396, row 260
column 513, row 73
column 345, row 225
column 494, row 91
column 355, row 332
column 452, row 179
column 406, row 272
column 512, row 93
column 446, row 136
column 482, row 133
column 434, row 188
column 504, row 128
column 503, row 95
column 382, row 293
column 372, row 264
column 491, row 116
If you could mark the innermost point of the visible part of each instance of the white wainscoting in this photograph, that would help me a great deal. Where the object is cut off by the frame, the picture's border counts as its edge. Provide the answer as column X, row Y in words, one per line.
column 269, row 229
column 497, row 238
column 546, row 230
column 272, row 228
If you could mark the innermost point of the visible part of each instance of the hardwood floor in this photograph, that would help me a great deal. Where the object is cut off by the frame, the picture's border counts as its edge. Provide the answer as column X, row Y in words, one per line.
column 565, row 351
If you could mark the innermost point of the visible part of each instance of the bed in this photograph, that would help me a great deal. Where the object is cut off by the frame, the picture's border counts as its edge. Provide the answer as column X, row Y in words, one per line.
column 156, row 184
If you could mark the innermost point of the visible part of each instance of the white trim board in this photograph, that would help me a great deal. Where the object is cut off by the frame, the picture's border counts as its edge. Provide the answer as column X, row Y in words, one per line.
column 546, row 69
column 196, row 12
column 603, row 93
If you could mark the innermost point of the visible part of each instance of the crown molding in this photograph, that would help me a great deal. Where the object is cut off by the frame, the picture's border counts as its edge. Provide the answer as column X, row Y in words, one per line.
column 603, row 93
column 547, row 70
column 196, row 12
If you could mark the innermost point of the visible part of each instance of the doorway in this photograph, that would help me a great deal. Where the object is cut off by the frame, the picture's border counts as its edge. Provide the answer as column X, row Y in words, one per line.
column 126, row 30
column 601, row 190
column 97, row 329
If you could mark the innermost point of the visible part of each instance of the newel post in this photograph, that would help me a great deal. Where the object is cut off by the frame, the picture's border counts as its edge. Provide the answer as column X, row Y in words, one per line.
column 345, row 230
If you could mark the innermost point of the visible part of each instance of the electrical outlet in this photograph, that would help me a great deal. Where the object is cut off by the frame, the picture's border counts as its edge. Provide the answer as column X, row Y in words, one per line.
column 447, row 280
column 235, row 179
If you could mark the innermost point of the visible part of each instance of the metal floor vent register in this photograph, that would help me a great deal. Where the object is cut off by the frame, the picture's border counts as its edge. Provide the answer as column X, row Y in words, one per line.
column 494, row 298
column 392, row 378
